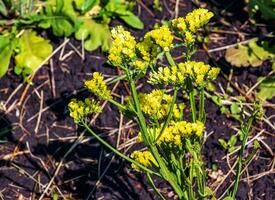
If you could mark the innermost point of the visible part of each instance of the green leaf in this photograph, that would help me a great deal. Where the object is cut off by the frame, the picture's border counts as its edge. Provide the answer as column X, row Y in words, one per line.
column 232, row 141
column 217, row 100
column 33, row 50
column 266, row 8
column 3, row 9
column 223, row 143
column 235, row 109
column 267, row 89
column 132, row 20
column 95, row 35
column 55, row 196
column 247, row 55
column 61, row 17
column 6, row 49
column 86, row 5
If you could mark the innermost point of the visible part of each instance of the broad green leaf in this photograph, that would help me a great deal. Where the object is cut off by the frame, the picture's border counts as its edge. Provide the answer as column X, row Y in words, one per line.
column 122, row 9
column 33, row 50
column 247, row 55
column 86, row 5
column 238, row 56
column 61, row 17
column 259, row 51
column 95, row 35
column 267, row 89
column 6, row 49
column 132, row 20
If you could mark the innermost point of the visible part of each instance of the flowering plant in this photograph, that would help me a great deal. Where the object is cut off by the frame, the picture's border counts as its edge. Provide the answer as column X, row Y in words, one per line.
column 173, row 144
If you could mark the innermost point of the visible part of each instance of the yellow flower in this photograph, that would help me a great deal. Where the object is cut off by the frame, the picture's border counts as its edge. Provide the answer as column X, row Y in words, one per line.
column 98, row 86
column 167, row 75
column 197, row 18
column 140, row 65
column 189, row 37
column 176, row 131
column 179, row 24
column 187, row 26
column 162, row 37
column 80, row 109
column 123, row 47
column 156, row 105
column 144, row 158
column 199, row 72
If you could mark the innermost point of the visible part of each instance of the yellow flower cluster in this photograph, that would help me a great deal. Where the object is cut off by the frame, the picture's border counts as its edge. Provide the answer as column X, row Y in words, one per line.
column 80, row 109
column 156, row 105
column 144, row 158
column 147, row 50
column 198, row 18
column 189, row 25
column 198, row 72
column 97, row 86
column 175, row 132
column 162, row 37
column 123, row 47
column 167, row 75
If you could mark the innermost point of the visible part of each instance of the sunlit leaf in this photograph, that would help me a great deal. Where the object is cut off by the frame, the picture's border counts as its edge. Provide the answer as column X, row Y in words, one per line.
column 6, row 49
column 33, row 50
column 267, row 88
column 95, row 35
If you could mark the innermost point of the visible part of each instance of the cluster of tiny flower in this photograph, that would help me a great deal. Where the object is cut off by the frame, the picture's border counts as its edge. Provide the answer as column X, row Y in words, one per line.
column 123, row 47
column 125, row 50
column 189, row 25
column 156, row 105
column 97, row 86
column 175, row 132
column 199, row 72
column 162, row 37
column 145, row 158
column 81, row 109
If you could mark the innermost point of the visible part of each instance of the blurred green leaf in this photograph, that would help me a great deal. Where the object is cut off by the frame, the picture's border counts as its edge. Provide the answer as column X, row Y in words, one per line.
column 267, row 88
column 95, row 35
column 247, row 55
column 265, row 7
column 132, row 20
column 3, row 9
column 60, row 16
column 223, row 143
column 232, row 141
column 33, row 50
column 6, row 49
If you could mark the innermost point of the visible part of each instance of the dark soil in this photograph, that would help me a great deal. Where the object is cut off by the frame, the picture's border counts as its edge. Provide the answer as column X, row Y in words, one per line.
column 23, row 174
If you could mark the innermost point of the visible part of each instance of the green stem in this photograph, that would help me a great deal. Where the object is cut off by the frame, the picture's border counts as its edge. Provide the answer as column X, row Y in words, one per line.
column 151, row 182
column 106, row 144
column 170, row 112
column 119, row 105
column 193, row 104
column 116, row 79
column 164, row 171
column 201, row 106
column 245, row 131
column 169, row 58
column 167, row 175
column 140, row 116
